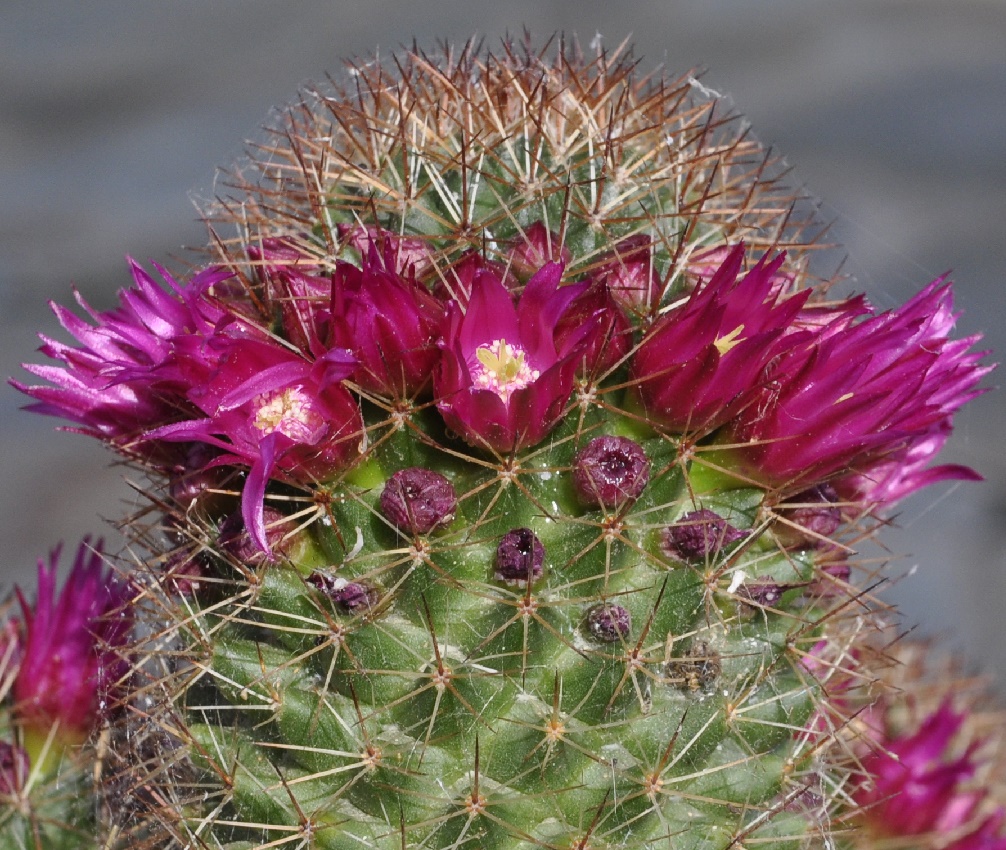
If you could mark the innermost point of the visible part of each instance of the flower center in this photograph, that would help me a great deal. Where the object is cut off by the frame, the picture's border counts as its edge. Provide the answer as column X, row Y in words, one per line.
column 291, row 412
column 503, row 368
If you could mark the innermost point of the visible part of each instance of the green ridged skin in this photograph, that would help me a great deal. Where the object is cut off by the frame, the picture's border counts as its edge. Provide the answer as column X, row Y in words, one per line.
column 461, row 711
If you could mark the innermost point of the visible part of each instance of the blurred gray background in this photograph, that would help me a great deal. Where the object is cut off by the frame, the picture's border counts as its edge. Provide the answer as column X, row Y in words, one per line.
column 894, row 113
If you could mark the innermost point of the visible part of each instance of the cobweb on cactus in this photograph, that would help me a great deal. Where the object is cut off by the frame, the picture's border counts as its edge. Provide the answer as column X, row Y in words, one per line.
column 510, row 458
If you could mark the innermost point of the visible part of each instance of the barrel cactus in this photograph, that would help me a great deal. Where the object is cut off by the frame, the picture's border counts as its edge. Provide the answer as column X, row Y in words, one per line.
column 507, row 456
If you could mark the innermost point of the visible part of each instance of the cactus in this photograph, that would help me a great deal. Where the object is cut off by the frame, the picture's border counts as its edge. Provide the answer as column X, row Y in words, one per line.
column 508, row 454
column 62, row 662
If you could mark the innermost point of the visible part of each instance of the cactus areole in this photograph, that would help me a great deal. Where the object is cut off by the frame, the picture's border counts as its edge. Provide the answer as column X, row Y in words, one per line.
column 504, row 405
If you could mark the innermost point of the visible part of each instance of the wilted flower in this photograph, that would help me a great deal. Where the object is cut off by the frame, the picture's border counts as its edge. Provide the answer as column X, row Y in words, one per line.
column 703, row 361
column 68, row 652
column 502, row 381
column 854, row 397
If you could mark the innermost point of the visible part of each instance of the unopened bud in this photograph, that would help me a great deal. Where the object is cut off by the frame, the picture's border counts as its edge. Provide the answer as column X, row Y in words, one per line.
column 610, row 471
column 351, row 597
column 608, row 623
column 763, row 591
column 811, row 517
column 519, row 557
column 183, row 572
column 699, row 535
column 417, row 500
column 235, row 540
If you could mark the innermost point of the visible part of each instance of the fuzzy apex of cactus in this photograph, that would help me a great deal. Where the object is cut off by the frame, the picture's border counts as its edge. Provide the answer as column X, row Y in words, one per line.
column 480, row 439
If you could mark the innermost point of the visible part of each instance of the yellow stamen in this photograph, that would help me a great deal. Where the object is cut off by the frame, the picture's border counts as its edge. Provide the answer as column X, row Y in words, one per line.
column 725, row 343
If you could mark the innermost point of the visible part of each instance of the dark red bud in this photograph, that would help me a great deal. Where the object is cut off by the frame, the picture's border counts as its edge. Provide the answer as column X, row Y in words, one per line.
column 417, row 500
column 183, row 572
column 519, row 557
column 763, row 591
column 351, row 597
column 608, row 623
column 811, row 516
column 610, row 471
column 235, row 540
column 698, row 535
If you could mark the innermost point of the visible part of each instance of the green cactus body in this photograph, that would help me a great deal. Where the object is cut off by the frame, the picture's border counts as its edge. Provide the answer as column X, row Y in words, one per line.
column 457, row 709
column 448, row 706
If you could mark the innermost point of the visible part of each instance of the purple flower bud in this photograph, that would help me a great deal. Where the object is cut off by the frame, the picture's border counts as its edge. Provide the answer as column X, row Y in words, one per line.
column 235, row 540
column 519, row 557
column 183, row 572
column 14, row 767
column 764, row 591
column 193, row 479
column 417, row 500
column 608, row 623
column 536, row 246
column 610, row 471
column 811, row 516
column 699, row 535
column 350, row 597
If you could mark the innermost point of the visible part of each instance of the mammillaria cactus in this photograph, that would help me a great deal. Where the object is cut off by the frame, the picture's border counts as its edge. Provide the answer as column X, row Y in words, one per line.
column 508, row 458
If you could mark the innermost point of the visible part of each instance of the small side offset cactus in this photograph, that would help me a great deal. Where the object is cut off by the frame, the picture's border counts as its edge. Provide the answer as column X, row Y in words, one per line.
column 509, row 453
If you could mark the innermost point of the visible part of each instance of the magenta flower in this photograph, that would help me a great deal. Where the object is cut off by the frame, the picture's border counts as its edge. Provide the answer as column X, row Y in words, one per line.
column 536, row 246
column 904, row 471
column 391, row 323
column 270, row 410
column 69, row 648
column 859, row 395
column 919, row 784
column 700, row 267
column 402, row 255
column 503, row 382
column 703, row 362
column 294, row 282
column 628, row 272
column 609, row 333
column 121, row 381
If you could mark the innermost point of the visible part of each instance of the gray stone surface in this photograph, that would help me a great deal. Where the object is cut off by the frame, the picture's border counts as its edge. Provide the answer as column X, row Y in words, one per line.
column 893, row 112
